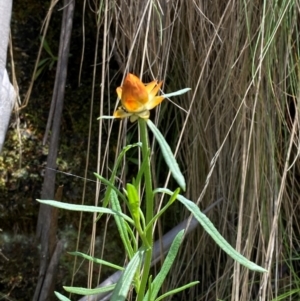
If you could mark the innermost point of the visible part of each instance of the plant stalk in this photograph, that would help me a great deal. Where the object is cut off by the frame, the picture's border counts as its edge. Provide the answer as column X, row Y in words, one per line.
column 149, row 207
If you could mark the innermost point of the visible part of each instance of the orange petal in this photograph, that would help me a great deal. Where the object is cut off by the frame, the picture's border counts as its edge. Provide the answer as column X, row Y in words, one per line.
column 134, row 94
column 155, row 90
column 132, row 106
column 119, row 92
column 149, row 87
column 154, row 102
column 120, row 113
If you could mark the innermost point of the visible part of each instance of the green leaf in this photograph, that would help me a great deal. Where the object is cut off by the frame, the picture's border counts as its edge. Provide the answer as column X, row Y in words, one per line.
column 177, row 290
column 85, row 208
column 213, row 232
column 43, row 62
column 121, row 225
column 106, row 117
column 159, row 279
column 172, row 199
column 123, row 285
column 61, row 297
column 97, row 260
column 179, row 92
column 133, row 202
column 110, row 187
column 135, row 211
column 51, row 64
column 89, row 291
column 111, row 181
column 47, row 48
column 168, row 155
column 141, row 171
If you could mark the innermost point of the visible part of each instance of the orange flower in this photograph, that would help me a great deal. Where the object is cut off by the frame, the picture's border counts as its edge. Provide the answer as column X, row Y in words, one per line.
column 137, row 98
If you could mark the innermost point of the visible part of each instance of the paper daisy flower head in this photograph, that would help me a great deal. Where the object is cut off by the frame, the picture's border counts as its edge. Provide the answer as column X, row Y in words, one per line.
column 137, row 98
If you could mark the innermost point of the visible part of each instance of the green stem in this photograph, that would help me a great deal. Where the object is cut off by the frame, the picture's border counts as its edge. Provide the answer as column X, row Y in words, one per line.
column 149, row 207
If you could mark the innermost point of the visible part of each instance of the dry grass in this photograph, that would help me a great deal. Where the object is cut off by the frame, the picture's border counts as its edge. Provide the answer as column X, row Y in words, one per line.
column 237, row 132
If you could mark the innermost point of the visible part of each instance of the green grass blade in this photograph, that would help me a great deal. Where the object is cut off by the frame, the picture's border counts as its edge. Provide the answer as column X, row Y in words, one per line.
column 168, row 155
column 43, row 62
column 48, row 49
column 287, row 295
column 213, row 232
column 159, row 279
column 123, row 285
column 97, row 260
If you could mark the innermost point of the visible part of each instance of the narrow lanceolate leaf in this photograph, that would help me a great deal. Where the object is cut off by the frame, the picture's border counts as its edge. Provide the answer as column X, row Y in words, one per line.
column 159, row 279
column 172, row 199
column 106, row 117
column 121, row 224
column 97, row 260
column 213, row 232
column 89, row 291
column 179, row 92
column 168, row 155
column 177, row 290
column 123, row 285
column 111, row 181
column 85, row 208
column 61, row 297
column 110, row 187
